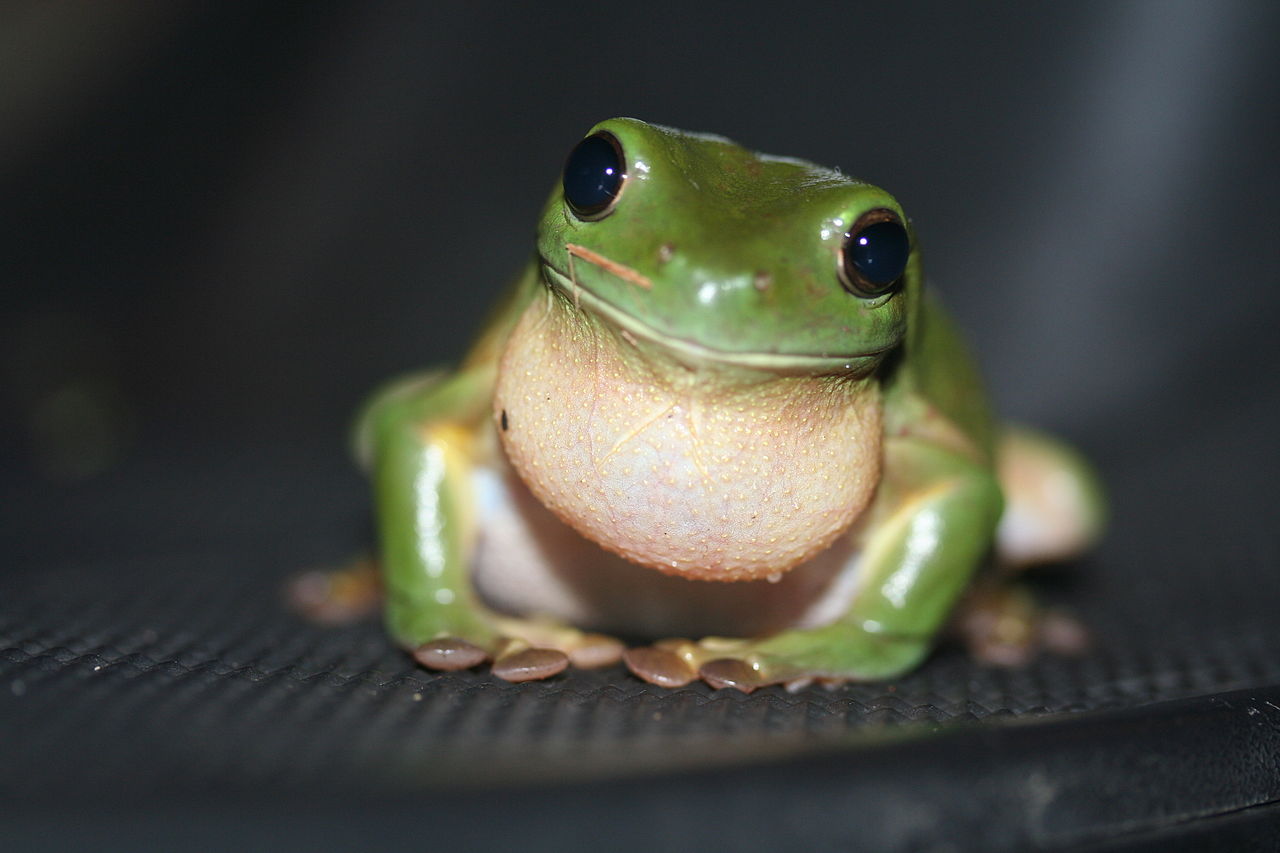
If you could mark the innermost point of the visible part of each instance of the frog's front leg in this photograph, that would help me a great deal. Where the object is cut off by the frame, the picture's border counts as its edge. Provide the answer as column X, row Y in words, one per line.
column 931, row 525
column 418, row 438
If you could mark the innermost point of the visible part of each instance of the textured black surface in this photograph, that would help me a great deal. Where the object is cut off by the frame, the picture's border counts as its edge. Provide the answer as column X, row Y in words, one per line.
column 221, row 224
column 188, row 672
column 184, row 669
column 185, row 692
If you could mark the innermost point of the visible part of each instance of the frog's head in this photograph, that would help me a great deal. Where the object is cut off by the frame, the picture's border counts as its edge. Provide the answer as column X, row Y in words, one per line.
column 725, row 255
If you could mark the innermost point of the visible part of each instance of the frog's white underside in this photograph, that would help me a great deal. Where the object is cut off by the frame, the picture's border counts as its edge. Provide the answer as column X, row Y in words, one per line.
column 528, row 562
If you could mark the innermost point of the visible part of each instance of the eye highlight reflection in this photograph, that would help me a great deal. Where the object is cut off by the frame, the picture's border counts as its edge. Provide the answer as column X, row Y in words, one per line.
column 874, row 254
column 594, row 175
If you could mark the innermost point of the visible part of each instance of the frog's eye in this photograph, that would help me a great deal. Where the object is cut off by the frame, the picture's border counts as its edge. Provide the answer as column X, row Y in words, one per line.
column 874, row 254
column 594, row 175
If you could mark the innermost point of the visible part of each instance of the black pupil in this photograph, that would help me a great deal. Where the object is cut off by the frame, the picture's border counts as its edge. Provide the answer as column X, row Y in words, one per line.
column 593, row 175
column 879, row 253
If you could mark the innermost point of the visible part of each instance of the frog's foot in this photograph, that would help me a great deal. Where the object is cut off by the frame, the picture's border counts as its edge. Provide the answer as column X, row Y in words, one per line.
column 1003, row 625
column 520, row 649
column 831, row 655
column 336, row 596
column 1054, row 505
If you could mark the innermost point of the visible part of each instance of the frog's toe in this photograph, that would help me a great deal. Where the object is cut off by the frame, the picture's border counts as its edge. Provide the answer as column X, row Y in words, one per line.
column 675, row 663
column 591, row 651
column 1063, row 634
column 744, row 676
column 732, row 672
column 659, row 666
column 1004, row 626
column 829, row 656
column 582, row 649
column 336, row 596
column 530, row 664
column 449, row 654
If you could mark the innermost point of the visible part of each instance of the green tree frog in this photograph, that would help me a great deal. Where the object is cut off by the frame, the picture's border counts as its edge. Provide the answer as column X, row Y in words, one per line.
column 719, row 416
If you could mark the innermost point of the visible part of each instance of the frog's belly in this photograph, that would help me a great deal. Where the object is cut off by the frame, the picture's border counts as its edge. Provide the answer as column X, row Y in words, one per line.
column 528, row 562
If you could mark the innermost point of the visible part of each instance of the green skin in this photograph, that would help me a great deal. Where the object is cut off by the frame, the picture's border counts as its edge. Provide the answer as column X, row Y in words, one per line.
column 733, row 214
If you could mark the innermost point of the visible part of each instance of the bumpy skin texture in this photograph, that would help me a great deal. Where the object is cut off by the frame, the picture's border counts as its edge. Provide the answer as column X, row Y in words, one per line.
column 688, row 382
column 690, row 472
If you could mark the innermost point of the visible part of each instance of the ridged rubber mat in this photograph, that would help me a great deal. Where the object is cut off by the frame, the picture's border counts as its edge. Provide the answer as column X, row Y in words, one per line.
column 192, row 672
column 161, row 679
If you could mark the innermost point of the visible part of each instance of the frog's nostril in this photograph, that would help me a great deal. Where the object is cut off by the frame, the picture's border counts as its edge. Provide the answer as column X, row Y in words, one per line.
column 666, row 252
column 762, row 280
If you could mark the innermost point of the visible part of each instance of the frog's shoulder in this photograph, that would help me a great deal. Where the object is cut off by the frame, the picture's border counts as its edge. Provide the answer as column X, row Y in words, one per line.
column 934, row 371
column 502, row 318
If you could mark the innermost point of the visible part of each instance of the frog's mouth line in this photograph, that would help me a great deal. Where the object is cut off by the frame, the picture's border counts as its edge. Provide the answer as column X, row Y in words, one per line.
column 860, row 363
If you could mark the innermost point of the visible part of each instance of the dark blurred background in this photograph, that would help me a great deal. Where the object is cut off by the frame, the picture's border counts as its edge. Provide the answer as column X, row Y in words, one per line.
column 221, row 224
